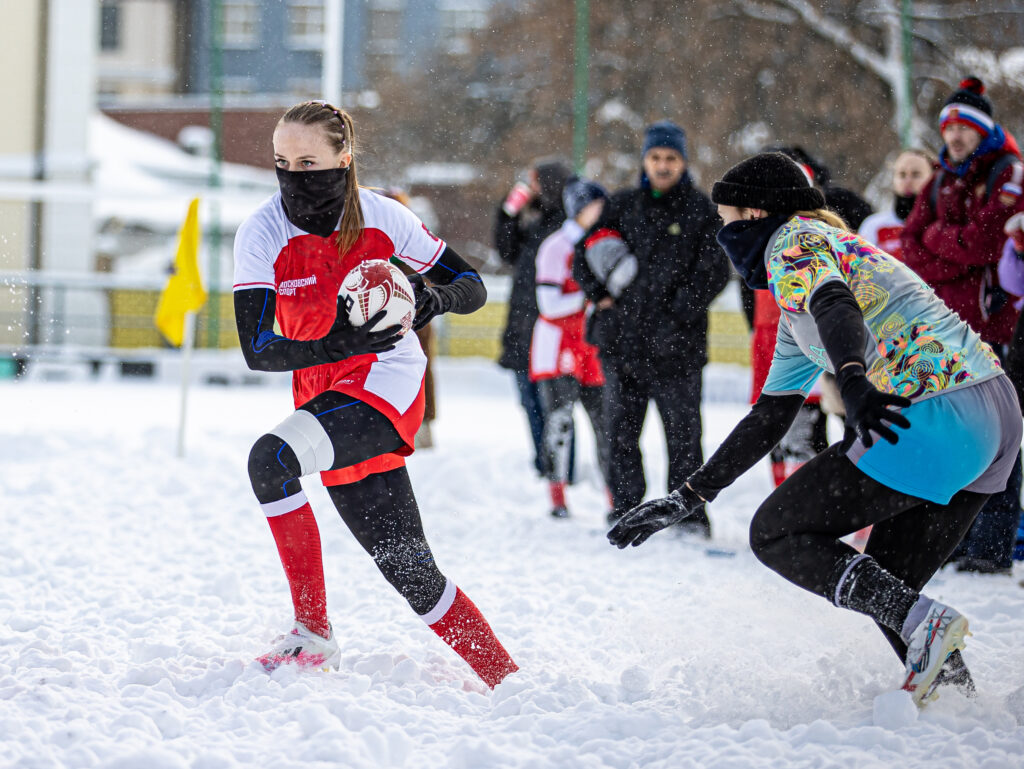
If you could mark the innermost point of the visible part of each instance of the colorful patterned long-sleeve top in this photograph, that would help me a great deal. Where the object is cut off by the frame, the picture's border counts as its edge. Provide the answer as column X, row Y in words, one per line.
column 915, row 345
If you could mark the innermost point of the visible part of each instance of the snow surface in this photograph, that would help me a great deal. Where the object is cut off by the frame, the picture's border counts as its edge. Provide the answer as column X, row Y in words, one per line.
column 136, row 588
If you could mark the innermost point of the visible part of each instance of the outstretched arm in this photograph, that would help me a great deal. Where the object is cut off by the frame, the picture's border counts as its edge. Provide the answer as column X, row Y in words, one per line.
column 755, row 435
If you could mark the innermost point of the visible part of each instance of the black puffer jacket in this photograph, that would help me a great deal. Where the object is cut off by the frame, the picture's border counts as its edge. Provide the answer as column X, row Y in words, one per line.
column 661, row 319
column 517, row 239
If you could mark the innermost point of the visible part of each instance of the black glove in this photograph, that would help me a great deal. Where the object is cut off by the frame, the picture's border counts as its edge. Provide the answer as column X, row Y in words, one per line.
column 430, row 302
column 646, row 519
column 867, row 407
column 345, row 340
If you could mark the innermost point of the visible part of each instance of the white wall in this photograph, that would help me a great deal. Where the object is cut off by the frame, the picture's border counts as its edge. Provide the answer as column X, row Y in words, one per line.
column 68, row 237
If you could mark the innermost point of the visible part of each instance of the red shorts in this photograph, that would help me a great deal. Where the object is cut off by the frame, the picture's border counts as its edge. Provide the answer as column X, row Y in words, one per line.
column 391, row 383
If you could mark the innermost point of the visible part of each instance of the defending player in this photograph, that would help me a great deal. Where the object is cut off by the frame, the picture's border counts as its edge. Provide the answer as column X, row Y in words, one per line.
column 909, row 371
column 358, row 393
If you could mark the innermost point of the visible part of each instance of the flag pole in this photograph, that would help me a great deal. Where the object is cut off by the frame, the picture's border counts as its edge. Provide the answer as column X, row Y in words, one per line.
column 186, row 359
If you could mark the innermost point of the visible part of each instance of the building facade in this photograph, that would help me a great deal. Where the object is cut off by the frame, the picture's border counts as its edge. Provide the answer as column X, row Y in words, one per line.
column 270, row 50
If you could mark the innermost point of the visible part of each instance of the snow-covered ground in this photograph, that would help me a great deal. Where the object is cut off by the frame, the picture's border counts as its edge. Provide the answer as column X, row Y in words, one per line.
column 135, row 589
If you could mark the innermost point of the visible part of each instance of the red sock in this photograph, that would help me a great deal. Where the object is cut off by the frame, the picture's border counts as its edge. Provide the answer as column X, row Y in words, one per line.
column 464, row 629
column 298, row 544
column 557, row 493
column 779, row 473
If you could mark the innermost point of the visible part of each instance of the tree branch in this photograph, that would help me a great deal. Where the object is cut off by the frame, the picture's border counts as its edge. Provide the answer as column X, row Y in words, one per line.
column 830, row 30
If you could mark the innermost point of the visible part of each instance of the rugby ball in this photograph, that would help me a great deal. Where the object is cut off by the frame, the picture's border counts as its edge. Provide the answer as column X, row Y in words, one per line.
column 376, row 285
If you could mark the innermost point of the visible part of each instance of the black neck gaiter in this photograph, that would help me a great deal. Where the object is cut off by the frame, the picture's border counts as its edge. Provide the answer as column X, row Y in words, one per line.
column 313, row 200
column 745, row 241
column 903, row 206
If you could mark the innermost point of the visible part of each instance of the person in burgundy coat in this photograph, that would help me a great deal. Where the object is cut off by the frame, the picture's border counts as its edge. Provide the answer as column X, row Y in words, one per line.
column 953, row 239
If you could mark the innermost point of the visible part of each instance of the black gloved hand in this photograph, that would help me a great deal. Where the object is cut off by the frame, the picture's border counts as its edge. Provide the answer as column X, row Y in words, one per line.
column 867, row 408
column 636, row 526
column 345, row 340
column 430, row 302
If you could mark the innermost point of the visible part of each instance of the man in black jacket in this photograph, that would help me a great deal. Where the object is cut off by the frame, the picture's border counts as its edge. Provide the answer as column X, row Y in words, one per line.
column 520, row 226
column 652, row 334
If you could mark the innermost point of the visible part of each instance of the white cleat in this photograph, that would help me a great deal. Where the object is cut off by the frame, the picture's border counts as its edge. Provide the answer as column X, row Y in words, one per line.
column 940, row 633
column 304, row 649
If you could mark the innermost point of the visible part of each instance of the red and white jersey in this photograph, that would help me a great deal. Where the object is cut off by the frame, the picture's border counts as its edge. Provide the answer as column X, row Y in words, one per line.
column 306, row 271
column 558, row 348
column 883, row 230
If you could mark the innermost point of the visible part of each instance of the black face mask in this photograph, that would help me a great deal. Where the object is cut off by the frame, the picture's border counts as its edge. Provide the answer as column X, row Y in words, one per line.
column 744, row 242
column 313, row 200
column 904, row 205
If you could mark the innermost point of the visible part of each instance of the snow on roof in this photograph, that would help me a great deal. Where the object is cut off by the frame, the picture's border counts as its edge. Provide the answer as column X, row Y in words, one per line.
column 144, row 180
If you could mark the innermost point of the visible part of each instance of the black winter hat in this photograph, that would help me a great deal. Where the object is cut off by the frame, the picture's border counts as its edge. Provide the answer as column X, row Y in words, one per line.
column 578, row 193
column 770, row 181
column 552, row 174
column 972, row 93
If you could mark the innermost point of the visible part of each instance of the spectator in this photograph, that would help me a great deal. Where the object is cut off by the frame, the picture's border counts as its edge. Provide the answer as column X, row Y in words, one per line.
column 1011, row 277
column 953, row 239
column 564, row 366
column 652, row 333
column 910, row 173
column 530, row 212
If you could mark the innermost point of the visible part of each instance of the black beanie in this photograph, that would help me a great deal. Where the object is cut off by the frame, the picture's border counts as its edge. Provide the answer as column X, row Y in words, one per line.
column 770, row 181
column 972, row 93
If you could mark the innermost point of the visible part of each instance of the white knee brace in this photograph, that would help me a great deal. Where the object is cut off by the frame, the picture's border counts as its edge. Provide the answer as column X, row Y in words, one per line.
column 307, row 438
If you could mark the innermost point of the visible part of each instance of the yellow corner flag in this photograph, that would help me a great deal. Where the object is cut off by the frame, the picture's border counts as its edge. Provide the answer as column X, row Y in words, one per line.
column 184, row 291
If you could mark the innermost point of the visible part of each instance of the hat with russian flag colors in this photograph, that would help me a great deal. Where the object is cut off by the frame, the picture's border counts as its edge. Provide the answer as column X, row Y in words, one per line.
column 968, row 106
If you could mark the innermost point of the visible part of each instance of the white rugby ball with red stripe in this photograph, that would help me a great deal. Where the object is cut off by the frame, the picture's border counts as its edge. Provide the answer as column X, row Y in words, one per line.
column 376, row 285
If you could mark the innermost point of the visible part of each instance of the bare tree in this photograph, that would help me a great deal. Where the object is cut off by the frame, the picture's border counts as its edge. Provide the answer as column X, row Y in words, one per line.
column 871, row 34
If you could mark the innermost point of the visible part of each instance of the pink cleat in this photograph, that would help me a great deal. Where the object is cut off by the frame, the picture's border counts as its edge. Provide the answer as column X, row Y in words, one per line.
column 304, row 649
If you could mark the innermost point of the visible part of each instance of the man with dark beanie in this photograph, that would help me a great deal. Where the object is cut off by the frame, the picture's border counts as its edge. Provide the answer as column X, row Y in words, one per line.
column 953, row 239
column 652, row 333
column 933, row 423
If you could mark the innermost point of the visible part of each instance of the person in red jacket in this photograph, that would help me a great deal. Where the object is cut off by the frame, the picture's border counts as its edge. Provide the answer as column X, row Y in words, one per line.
column 953, row 239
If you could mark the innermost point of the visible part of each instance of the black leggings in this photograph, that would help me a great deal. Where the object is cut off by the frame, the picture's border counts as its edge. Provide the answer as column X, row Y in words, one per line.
column 558, row 396
column 796, row 530
column 380, row 510
column 382, row 514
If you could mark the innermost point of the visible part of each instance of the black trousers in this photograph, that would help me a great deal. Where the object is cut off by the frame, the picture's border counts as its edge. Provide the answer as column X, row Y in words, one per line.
column 677, row 395
column 994, row 534
column 796, row 531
